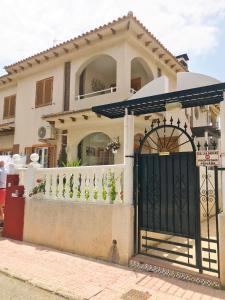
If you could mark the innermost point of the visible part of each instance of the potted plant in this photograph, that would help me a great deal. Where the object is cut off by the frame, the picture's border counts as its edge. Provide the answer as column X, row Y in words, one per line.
column 113, row 145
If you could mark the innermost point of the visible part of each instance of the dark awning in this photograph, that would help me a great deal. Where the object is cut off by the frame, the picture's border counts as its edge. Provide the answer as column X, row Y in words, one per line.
column 205, row 95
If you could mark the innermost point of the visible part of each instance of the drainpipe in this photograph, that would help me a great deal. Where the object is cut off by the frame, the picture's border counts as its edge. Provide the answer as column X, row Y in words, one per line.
column 221, row 217
column 128, row 157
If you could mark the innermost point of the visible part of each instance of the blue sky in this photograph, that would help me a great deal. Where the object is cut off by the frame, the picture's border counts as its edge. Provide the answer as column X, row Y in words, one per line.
column 213, row 63
column 196, row 27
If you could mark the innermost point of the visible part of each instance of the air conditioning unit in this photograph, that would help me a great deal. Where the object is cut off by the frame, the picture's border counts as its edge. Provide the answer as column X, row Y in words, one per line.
column 46, row 132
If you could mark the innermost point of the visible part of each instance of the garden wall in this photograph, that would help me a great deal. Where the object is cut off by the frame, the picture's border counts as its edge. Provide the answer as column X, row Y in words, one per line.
column 102, row 231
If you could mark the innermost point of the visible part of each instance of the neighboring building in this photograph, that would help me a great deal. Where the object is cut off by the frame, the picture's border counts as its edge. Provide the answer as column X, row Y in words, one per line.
column 46, row 99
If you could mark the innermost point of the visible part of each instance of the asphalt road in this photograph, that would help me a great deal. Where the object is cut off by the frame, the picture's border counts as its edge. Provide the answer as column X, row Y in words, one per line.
column 11, row 288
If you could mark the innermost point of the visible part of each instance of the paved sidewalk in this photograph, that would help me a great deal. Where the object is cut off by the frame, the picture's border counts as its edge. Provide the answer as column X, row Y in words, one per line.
column 80, row 278
column 15, row 289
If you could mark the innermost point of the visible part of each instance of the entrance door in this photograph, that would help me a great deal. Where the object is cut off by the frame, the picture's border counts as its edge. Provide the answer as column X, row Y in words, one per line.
column 169, row 207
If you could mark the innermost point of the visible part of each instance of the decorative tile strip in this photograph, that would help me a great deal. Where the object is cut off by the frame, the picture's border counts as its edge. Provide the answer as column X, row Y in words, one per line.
column 137, row 266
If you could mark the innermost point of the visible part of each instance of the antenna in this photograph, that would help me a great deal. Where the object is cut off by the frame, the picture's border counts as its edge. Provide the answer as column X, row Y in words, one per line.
column 55, row 42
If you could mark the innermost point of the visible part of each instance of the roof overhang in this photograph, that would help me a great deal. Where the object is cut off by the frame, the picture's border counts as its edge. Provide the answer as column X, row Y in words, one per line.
column 128, row 23
column 205, row 95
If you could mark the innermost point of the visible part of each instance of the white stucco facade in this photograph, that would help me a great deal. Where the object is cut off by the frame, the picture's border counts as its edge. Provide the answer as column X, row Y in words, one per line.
column 115, row 57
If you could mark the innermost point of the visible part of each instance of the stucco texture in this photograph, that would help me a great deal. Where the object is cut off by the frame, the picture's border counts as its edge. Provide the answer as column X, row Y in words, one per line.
column 87, row 229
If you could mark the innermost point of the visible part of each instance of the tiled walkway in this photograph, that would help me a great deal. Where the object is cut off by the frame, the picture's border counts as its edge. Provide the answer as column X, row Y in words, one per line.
column 80, row 278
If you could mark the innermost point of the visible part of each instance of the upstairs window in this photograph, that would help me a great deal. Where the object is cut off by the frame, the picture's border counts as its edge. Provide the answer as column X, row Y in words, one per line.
column 9, row 107
column 44, row 90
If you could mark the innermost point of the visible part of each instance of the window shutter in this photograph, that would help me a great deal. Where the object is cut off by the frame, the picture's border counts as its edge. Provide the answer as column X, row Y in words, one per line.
column 52, row 156
column 28, row 152
column 48, row 90
column 12, row 106
column 6, row 107
column 16, row 149
column 39, row 93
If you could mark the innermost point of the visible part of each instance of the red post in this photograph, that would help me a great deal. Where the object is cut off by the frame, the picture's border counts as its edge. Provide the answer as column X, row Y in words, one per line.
column 14, row 209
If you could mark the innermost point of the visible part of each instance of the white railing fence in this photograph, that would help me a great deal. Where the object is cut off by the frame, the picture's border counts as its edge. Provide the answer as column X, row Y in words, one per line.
column 103, row 183
column 97, row 93
column 91, row 183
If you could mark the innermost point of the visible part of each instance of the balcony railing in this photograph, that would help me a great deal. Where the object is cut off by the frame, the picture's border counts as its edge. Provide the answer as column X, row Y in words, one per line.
column 132, row 91
column 98, row 93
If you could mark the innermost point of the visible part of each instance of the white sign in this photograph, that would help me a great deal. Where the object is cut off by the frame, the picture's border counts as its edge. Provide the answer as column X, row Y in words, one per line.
column 207, row 158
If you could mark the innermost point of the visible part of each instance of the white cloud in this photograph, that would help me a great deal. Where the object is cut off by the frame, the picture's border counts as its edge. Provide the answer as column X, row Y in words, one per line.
column 27, row 27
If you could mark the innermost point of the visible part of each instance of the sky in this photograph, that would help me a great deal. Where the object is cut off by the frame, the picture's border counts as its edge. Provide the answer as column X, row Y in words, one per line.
column 195, row 27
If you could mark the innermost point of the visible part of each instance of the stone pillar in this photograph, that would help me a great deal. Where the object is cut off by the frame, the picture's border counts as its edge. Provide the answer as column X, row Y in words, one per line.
column 128, row 157
column 123, row 75
column 221, row 218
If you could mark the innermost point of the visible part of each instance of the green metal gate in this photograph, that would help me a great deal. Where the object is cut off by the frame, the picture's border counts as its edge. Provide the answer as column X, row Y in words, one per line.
column 176, row 200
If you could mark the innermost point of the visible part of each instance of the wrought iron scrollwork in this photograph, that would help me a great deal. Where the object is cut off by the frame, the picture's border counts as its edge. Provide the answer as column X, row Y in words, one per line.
column 165, row 137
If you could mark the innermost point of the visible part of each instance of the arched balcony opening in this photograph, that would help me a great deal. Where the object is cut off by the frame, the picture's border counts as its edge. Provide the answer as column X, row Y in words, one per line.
column 141, row 74
column 98, row 77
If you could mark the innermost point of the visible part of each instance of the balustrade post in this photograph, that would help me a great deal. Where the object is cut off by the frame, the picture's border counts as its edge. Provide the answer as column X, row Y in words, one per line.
column 128, row 157
column 29, row 176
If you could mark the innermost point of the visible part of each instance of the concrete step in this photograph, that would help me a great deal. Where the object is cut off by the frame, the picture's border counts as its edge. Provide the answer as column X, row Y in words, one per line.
column 149, row 264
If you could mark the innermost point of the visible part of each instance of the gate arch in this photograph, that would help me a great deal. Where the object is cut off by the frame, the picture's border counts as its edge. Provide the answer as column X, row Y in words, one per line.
column 166, row 142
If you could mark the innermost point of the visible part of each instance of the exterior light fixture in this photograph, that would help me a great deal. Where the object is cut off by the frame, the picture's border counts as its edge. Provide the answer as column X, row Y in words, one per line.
column 175, row 106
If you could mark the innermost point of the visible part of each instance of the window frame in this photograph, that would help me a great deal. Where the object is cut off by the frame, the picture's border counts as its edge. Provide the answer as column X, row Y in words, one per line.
column 43, row 103
column 8, row 115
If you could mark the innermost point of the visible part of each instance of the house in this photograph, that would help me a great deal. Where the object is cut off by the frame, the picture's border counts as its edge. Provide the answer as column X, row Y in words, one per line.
column 93, row 98
column 46, row 99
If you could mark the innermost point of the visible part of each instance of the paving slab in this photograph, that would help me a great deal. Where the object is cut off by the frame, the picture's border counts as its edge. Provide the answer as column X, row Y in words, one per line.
column 78, row 277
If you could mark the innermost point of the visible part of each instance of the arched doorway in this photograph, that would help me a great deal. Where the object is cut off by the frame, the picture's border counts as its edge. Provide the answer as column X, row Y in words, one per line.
column 92, row 150
column 141, row 74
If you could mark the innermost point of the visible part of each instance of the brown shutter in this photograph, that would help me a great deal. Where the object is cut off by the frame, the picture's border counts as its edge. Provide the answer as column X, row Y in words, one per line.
column 12, row 106
column 16, row 149
column 136, row 83
column 51, row 156
column 28, row 152
column 39, row 93
column 6, row 107
column 48, row 90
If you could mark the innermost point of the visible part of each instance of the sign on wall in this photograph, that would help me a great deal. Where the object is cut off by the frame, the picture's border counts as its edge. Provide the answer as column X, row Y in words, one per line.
column 207, row 158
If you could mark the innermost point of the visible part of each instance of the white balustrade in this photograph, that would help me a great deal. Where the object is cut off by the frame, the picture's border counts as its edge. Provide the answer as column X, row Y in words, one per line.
column 97, row 93
column 85, row 184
